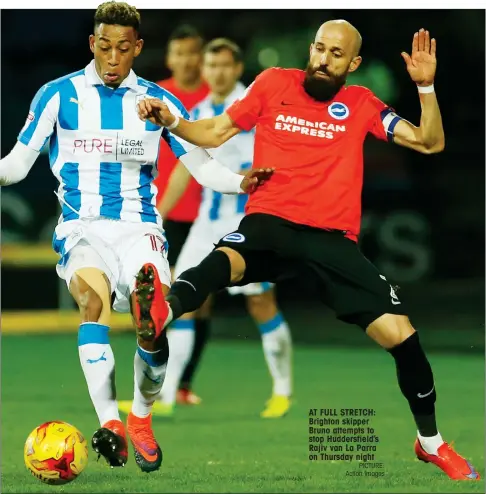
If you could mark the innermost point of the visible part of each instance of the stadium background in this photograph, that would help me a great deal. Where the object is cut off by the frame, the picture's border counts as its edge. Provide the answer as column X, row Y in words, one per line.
column 423, row 221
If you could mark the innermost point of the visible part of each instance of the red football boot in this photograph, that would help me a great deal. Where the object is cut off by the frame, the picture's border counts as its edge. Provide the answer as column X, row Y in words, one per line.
column 110, row 441
column 151, row 309
column 454, row 465
column 187, row 397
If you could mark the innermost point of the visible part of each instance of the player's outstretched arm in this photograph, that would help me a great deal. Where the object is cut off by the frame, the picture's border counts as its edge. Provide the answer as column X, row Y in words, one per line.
column 210, row 173
column 207, row 132
column 429, row 137
column 17, row 164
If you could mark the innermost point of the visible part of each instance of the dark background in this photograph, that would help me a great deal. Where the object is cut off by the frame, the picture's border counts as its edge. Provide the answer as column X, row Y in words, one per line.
column 423, row 221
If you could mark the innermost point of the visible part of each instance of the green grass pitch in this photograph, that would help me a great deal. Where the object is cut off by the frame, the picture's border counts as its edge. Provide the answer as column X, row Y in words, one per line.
column 223, row 445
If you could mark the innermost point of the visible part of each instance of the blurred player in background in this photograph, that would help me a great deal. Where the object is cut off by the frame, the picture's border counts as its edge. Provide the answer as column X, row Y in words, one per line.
column 311, row 127
column 218, row 214
column 184, row 57
column 109, row 237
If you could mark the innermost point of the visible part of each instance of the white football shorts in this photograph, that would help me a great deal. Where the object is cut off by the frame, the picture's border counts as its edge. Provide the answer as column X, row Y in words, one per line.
column 117, row 248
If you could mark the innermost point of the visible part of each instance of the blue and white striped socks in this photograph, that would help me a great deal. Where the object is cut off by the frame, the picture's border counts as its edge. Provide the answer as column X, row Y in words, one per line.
column 277, row 348
column 98, row 364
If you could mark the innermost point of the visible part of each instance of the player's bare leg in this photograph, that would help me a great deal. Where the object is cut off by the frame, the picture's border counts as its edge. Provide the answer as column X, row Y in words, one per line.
column 150, row 364
column 277, row 349
column 396, row 334
column 91, row 291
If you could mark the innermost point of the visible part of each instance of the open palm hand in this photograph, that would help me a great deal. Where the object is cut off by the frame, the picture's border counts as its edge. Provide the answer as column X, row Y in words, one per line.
column 422, row 63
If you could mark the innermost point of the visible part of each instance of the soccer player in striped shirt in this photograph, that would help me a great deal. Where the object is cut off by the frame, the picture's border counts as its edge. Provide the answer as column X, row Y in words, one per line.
column 110, row 237
column 310, row 126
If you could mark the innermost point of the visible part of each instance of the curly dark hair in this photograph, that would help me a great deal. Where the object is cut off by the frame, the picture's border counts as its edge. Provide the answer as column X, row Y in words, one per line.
column 120, row 13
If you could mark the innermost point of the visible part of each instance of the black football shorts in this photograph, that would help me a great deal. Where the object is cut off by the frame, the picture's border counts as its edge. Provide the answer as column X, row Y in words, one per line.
column 275, row 249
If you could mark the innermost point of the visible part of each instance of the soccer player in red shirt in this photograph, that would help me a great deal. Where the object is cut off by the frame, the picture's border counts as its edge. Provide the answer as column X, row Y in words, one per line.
column 310, row 127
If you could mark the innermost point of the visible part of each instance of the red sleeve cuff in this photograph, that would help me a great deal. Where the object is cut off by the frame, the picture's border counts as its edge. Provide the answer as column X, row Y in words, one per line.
column 237, row 114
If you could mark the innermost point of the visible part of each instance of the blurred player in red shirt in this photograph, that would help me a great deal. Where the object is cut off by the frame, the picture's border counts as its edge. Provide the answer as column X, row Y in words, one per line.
column 184, row 59
column 310, row 128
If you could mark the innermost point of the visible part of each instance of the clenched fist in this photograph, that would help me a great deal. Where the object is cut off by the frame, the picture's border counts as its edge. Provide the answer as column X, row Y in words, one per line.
column 256, row 178
column 156, row 111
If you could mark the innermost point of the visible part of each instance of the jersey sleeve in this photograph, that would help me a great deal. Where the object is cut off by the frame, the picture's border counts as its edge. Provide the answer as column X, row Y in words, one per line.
column 178, row 146
column 383, row 119
column 41, row 119
column 245, row 111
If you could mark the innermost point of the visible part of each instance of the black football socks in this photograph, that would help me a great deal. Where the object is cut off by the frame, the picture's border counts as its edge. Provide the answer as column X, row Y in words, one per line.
column 416, row 382
column 193, row 286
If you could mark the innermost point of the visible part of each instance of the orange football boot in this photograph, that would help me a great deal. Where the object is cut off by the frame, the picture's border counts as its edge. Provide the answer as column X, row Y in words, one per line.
column 453, row 464
column 148, row 454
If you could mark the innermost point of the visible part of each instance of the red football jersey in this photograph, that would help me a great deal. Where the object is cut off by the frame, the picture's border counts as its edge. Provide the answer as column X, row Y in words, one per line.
column 315, row 147
column 187, row 207
column 188, row 98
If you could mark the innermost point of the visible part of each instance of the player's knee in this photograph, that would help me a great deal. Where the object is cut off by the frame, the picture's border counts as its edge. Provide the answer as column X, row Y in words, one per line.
column 389, row 330
column 91, row 293
column 262, row 307
column 237, row 263
column 89, row 303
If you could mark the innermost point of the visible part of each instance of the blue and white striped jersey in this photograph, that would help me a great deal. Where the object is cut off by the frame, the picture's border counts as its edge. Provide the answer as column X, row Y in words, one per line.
column 236, row 154
column 102, row 154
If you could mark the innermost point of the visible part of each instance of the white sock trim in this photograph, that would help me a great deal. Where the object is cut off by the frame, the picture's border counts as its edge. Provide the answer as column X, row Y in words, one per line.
column 147, row 351
column 431, row 444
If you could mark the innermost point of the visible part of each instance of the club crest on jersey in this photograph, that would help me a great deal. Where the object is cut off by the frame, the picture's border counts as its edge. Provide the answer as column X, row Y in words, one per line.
column 339, row 111
column 234, row 237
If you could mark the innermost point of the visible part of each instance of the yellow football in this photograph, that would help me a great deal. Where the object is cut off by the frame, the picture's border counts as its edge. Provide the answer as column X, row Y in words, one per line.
column 56, row 452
